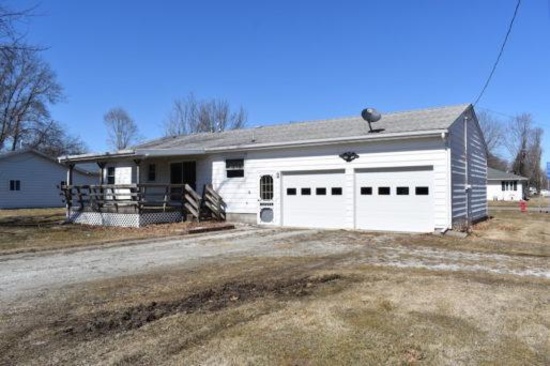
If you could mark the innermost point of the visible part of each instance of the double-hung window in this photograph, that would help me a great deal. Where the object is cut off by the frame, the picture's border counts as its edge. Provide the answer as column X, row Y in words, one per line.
column 234, row 168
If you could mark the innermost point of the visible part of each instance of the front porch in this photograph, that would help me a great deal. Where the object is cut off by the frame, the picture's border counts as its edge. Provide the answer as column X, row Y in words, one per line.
column 136, row 205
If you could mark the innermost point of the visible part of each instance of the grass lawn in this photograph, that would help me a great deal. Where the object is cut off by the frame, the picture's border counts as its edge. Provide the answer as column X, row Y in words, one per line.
column 329, row 310
column 28, row 230
column 287, row 311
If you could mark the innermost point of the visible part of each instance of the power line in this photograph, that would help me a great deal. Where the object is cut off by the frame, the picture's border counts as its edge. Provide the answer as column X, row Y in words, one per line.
column 499, row 54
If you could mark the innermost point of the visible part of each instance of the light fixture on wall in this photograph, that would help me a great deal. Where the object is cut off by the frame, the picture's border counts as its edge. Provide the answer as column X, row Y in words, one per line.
column 349, row 156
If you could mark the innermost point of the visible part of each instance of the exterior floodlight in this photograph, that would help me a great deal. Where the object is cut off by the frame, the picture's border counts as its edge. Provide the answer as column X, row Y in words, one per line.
column 371, row 115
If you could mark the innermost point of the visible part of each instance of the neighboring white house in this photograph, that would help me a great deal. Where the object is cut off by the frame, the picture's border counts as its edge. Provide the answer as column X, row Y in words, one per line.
column 29, row 179
column 419, row 171
column 503, row 186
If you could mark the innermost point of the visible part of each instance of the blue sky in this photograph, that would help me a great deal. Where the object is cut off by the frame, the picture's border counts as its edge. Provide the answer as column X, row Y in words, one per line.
column 290, row 60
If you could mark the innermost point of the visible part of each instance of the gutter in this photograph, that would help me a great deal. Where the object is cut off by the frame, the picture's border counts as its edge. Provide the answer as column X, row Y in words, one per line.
column 330, row 141
column 144, row 153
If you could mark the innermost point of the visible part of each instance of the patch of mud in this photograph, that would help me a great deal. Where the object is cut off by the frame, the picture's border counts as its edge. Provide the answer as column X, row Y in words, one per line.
column 213, row 299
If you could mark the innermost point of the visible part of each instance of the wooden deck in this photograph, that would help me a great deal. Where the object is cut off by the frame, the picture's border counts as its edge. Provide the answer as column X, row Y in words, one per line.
column 144, row 199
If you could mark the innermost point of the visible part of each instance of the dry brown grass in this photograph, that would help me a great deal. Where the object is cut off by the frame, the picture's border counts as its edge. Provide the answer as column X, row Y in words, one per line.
column 369, row 315
column 29, row 230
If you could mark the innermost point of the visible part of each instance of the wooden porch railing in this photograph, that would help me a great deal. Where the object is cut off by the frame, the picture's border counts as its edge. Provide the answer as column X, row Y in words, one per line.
column 139, row 198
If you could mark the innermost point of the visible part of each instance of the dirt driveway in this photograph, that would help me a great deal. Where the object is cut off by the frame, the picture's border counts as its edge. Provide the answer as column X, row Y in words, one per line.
column 26, row 275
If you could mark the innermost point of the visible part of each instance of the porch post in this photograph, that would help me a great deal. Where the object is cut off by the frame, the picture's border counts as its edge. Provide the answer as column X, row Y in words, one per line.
column 68, row 191
column 101, row 165
column 137, row 162
column 70, row 168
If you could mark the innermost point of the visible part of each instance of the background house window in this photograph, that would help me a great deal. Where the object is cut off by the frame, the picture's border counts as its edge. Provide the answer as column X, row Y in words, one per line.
column 234, row 168
column 152, row 173
column 15, row 185
column 111, row 175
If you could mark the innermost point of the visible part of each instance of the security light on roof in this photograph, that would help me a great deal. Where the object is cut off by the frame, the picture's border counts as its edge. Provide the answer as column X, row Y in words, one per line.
column 371, row 115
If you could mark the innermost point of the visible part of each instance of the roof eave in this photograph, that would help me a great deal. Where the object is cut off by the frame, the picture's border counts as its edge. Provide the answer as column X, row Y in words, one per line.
column 128, row 154
column 332, row 141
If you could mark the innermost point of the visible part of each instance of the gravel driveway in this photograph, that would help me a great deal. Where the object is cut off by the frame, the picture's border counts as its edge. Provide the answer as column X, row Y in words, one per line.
column 24, row 275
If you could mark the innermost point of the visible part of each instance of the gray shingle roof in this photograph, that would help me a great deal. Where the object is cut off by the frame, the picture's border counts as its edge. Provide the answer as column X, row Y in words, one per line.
column 433, row 119
column 494, row 174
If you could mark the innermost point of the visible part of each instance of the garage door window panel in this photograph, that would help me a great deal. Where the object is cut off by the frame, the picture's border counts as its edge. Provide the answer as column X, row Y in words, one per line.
column 291, row 191
column 422, row 191
column 336, row 191
column 402, row 191
column 321, row 191
column 366, row 191
column 384, row 191
column 306, row 191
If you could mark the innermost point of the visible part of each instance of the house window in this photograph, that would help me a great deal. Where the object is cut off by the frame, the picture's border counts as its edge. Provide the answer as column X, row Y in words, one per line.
column 321, row 191
column 402, row 191
column 152, row 173
column 234, row 168
column 366, row 191
column 384, row 191
column 291, row 191
column 306, row 191
column 111, row 175
column 15, row 185
column 509, row 186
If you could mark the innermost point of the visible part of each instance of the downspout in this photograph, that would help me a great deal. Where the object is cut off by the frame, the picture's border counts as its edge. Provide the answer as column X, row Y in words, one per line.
column 447, row 139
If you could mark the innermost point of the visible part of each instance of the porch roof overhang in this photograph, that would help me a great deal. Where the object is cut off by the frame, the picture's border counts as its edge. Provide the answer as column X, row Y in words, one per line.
column 150, row 153
column 127, row 155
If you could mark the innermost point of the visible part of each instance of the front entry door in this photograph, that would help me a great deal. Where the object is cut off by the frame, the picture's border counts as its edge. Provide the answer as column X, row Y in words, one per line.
column 266, row 212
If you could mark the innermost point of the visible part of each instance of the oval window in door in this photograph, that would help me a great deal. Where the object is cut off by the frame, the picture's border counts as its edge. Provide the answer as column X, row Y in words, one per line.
column 266, row 188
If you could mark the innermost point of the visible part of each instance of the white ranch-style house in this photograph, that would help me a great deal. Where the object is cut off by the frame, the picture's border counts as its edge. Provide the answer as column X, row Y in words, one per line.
column 503, row 186
column 418, row 171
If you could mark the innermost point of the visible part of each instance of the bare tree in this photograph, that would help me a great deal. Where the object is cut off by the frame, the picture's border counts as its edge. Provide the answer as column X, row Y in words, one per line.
column 12, row 39
column 189, row 115
column 493, row 131
column 517, row 142
column 52, row 140
column 28, row 87
column 122, row 130
column 534, row 157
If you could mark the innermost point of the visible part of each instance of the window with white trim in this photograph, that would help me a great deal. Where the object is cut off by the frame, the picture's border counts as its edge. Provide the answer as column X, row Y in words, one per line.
column 234, row 168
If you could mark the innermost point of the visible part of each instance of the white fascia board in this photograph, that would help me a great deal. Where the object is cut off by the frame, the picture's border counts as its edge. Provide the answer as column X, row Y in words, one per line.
column 331, row 141
column 82, row 158
column 168, row 152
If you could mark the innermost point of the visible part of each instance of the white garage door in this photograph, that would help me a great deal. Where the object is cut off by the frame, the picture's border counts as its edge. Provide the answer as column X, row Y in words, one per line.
column 395, row 199
column 314, row 199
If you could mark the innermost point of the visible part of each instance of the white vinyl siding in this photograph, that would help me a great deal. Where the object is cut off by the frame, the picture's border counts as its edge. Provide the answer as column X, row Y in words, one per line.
column 241, row 195
column 495, row 192
column 38, row 177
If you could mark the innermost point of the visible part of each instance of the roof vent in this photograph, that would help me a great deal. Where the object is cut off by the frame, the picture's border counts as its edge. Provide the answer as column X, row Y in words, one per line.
column 371, row 115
